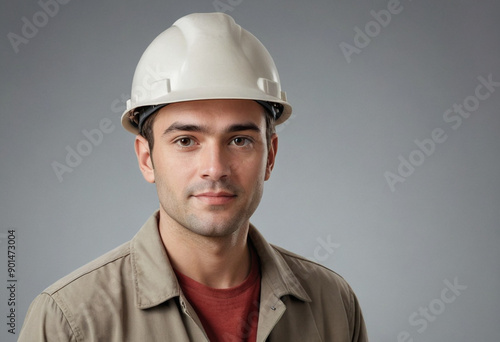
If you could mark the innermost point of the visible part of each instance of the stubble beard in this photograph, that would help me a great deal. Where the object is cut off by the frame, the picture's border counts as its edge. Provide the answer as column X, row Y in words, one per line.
column 183, row 213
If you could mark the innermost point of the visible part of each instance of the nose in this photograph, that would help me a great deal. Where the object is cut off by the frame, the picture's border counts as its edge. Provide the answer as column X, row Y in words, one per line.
column 214, row 162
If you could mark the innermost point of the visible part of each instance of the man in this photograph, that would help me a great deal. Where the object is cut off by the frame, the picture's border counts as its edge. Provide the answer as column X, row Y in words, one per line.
column 205, row 99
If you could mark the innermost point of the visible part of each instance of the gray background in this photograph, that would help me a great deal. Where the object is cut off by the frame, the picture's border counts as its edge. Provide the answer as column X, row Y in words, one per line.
column 351, row 123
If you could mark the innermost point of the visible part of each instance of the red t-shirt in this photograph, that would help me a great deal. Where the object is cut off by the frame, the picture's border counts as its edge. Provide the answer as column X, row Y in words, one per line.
column 227, row 315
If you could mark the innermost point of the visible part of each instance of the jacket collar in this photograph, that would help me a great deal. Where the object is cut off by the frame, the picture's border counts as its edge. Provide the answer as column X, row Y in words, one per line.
column 274, row 269
column 154, row 278
column 155, row 281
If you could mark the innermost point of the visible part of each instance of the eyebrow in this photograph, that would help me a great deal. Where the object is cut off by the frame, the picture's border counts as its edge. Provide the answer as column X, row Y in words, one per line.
column 179, row 126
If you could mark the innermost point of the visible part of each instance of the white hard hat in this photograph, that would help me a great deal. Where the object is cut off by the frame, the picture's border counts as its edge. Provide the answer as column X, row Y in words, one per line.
column 204, row 56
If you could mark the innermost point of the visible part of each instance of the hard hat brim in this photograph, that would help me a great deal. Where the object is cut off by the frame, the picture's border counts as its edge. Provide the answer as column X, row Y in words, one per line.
column 212, row 93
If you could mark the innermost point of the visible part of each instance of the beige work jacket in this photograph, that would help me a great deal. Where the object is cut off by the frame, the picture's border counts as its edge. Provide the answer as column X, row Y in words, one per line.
column 132, row 294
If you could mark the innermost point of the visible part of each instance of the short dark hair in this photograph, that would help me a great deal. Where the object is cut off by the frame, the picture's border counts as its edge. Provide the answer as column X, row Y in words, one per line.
column 147, row 130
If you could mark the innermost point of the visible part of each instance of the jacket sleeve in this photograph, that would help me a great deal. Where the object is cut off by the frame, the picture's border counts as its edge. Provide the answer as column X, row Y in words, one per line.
column 356, row 321
column 45, row 322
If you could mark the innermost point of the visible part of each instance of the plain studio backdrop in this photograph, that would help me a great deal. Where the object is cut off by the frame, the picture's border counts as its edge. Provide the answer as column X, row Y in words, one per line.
column 387, row 172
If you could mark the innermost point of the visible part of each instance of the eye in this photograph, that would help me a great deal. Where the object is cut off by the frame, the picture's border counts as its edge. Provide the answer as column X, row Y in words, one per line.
column 185, row 142
column 240, row 141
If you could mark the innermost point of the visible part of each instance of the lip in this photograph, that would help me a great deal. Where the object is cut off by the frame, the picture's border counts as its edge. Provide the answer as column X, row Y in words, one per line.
column 215, row 198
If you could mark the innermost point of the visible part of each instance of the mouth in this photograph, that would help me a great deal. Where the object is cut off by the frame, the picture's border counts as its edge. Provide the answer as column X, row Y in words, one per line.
column 215, row 198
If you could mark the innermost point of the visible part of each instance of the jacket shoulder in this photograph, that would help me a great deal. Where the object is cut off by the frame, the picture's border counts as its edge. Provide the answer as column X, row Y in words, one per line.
column 333, row 305
column 98, row 265
column 312, row 274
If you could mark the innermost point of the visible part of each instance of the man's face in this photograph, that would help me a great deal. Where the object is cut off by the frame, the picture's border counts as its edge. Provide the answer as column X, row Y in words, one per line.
column 210, row 163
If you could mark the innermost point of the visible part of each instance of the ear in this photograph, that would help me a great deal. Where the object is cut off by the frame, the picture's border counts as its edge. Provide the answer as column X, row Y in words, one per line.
column 144, row 158
column 271, row 155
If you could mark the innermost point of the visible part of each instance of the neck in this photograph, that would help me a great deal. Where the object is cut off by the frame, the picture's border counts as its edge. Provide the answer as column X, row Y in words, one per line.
column 217, row 262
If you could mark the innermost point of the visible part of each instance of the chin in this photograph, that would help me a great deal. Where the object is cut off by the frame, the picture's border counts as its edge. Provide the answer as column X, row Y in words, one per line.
column 215, row 228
